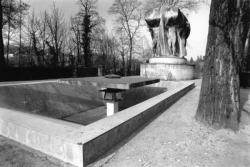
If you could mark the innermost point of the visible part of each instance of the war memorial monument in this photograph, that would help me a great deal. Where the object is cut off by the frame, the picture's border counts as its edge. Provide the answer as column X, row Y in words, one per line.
column 169, row 30
column 78, row 120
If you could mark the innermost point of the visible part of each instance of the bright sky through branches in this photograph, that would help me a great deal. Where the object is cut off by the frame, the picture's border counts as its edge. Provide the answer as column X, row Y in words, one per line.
column 198, row 20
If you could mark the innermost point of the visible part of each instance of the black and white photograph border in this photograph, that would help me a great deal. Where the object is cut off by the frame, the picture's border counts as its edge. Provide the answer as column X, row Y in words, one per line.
column 128, row 83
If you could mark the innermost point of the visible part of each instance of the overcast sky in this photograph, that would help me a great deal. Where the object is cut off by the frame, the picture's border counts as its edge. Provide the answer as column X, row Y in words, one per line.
column 70, row 7
column 198, row 20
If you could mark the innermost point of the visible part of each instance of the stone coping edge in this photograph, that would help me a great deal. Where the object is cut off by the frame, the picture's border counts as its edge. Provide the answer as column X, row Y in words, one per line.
column 108, row 132
column 81, row 145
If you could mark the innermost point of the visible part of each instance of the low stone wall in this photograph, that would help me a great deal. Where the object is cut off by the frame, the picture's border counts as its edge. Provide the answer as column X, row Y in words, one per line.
column 81, row 145
column 42, row 133
column 127, row 121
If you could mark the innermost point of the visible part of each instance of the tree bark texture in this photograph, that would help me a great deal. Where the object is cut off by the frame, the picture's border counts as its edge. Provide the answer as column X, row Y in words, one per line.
column 219, row 99
column 86, row 40
column 2, row 59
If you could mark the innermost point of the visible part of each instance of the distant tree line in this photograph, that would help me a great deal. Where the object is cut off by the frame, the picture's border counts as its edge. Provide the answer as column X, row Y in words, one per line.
column 30, row 39
column 198, row 66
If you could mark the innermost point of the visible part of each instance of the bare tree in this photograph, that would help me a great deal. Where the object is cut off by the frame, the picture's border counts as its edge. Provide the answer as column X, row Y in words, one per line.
column 90, row 19
column 149, row 6
column 219, row 103
column 2, row 59
column 129, row 19
column 106, row 52
column 37, row 31
column 76, row 39
column 56, row 33
column 33, row 30
column 123, row 49
column 10, row 16
column 42, row 35
column 22, row 12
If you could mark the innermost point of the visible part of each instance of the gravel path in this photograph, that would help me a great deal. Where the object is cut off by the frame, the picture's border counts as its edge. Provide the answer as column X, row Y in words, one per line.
column 175, row 139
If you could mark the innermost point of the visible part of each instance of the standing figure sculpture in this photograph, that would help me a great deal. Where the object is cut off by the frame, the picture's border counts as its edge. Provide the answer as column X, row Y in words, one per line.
column 153, row 22
column 169, row 30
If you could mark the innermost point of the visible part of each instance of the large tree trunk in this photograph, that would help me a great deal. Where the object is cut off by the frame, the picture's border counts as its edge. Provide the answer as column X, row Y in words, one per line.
column 219, row 98
column 123, row 63
column 8, row 36
column 8, row 43
column 86, row 40
column 246, row 67
column 130, row 56
column 20, row 34
column 2, row 59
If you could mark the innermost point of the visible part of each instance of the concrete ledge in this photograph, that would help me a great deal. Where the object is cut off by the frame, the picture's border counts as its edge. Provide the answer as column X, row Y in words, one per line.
column 41, row 133
column 114, row 129
column 81, row 145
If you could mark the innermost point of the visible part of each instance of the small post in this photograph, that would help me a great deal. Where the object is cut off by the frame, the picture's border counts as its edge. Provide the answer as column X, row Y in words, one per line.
column 100, row 71
column 112, row 97
column 112, row 107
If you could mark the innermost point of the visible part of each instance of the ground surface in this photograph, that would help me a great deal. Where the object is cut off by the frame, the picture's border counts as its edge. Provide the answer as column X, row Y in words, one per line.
column 176, row 139
column 172, row 139
column 13, row 154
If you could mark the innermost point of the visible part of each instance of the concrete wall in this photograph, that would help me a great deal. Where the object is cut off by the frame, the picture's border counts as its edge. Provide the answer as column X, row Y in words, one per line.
column 56, row 100
column 81, row 145
column 138, row 95
column 41, row 133
column 133, row 117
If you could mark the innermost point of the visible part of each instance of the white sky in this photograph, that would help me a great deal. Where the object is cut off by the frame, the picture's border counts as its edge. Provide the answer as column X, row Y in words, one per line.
column 70, row 7
column 198, row 20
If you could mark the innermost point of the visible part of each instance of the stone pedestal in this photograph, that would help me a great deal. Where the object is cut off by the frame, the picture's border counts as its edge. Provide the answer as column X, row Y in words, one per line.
column 168, row 68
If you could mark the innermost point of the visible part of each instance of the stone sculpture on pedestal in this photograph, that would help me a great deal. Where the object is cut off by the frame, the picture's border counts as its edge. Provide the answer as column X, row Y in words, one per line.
column 169, row 29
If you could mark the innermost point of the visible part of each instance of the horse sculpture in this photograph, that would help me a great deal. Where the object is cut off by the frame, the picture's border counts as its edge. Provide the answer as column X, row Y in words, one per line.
column 169, row 29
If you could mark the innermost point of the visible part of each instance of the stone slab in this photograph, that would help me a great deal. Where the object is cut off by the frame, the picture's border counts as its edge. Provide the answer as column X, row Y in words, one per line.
column 123, row 83
column 27, row 82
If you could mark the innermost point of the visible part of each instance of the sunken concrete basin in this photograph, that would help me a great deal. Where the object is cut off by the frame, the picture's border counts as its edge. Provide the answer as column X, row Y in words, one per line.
column 66, row 118
column 74, row 100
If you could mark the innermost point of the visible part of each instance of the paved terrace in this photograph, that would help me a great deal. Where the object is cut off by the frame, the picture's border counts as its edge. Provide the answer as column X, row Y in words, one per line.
column 171, row 139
